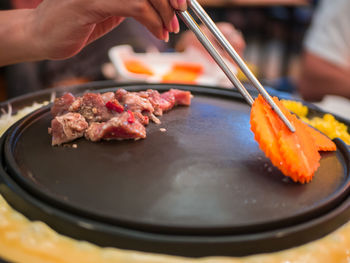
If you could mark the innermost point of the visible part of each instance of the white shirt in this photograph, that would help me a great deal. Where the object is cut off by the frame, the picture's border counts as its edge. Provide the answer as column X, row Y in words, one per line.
column 329, row 34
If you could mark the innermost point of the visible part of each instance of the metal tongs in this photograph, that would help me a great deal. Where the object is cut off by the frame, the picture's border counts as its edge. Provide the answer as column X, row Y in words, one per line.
column 208, row 22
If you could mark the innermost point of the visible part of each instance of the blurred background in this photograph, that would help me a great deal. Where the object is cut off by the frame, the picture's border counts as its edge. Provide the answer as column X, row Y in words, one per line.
column 273, row 31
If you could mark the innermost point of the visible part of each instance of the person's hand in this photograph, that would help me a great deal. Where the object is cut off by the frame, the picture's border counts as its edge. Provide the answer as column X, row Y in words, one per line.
column 25, row 3
column 188, row 39
column 61, row 29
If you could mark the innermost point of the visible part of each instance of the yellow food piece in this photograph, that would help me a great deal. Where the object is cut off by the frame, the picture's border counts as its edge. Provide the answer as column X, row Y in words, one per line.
column 296, row 107
column 242, row 77
column 331, row 127
column 328, row 124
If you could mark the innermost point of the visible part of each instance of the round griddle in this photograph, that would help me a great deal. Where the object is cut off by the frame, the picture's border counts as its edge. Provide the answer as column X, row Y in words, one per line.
column 201, row 188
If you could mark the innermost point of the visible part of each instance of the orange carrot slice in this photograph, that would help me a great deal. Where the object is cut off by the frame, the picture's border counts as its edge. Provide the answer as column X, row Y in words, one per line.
column 299, row 148
column 264, row 133
column 322, row 141
column 295, row 154
column 292, row 147
column 300, row 153
column 136, row 66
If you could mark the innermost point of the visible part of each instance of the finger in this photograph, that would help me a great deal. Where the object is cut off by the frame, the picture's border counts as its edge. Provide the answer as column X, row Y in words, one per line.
column 226, row 28
column 152, row 21
column 179, row 4
column 165, row 11
column 175, row 24
column 237, row 41
column 142, row 10
column 231, row 33
column 233, row 36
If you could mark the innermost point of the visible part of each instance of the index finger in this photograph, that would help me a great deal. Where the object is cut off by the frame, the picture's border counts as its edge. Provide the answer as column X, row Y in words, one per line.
column 165, row 11
column 180, row 5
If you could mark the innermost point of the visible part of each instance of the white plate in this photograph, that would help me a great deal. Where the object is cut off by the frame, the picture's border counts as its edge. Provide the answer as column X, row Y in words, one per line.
column 161, row 63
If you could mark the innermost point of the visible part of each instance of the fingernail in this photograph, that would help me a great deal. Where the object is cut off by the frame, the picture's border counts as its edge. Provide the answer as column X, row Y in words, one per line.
column 175, row 25
column 170, row 27
column 165, row 35
column 182, row 4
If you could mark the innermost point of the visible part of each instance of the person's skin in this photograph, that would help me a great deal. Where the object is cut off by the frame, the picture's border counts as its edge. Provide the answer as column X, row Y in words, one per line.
column 232, row 35
column 319, row 77
column 25, row 3
column 60, row 29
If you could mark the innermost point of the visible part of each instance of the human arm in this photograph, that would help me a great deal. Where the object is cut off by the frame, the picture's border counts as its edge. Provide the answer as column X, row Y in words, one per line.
column 320, row 77
column 325, row 64
column 16, row 44
column 60, row 29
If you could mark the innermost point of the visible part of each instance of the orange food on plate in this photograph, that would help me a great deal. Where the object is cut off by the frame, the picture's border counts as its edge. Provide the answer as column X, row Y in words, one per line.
column 179, row 76
column 138, row 67
column 185, row 66
column 183, row 73
column 295, row 154
column 322, row 141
